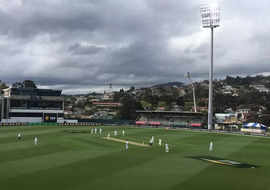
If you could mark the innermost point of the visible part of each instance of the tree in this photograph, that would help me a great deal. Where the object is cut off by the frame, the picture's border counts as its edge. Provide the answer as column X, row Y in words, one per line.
column 162, row 104
column 3, row 85
column 129, row 107
column 118, row 95
column 24, row 84
column 180, row 101
column 17, row 85
column 29, row 84
column 131, row 89
column 146, row 105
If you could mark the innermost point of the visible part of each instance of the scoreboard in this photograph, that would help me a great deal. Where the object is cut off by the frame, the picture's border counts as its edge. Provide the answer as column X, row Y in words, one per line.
column 50, row 117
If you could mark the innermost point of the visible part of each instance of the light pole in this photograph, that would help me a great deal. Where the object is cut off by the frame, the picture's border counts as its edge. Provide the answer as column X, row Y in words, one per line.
column 193, row 90
column 210, row 19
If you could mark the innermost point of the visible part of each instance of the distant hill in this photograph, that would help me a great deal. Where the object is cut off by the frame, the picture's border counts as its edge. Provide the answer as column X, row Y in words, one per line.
column 170, row 84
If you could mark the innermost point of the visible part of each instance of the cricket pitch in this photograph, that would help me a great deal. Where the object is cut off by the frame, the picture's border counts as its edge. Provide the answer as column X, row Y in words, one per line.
column 124, row 141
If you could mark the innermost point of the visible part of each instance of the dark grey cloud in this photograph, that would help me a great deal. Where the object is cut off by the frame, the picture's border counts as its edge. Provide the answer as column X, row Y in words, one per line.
column 80, row 44
column 84, row 49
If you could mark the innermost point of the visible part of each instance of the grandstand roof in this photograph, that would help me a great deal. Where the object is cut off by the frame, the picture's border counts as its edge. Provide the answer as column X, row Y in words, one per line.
column 173, row 112
column 31, row 92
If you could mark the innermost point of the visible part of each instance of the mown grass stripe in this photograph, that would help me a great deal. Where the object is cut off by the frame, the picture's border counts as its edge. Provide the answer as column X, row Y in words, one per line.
column 27, row 133
column 30, row 152
column 22, row 167
column 82, row 171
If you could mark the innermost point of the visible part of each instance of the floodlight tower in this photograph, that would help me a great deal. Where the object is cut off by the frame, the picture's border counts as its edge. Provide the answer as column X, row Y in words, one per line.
column 193, row 90
column 210, row 19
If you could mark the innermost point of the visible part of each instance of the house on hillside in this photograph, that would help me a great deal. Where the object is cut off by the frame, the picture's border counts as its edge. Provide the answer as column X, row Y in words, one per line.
column 260, row 88
column 229, row 90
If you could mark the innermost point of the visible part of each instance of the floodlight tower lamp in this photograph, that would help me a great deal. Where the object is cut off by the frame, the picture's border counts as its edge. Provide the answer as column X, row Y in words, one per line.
column 210, row 16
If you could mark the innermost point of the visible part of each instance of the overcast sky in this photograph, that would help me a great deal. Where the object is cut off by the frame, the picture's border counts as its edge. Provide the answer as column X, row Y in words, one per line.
column 78, row 44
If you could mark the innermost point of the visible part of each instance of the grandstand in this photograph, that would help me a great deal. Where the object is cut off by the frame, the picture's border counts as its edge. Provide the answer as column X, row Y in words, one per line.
column 171, row 118
column 31, row 105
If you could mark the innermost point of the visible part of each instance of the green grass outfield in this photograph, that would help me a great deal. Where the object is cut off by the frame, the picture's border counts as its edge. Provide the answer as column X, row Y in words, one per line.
column 78, row 161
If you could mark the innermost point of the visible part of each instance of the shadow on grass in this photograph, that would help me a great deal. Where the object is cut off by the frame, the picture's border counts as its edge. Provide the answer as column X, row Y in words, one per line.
column 223, row 162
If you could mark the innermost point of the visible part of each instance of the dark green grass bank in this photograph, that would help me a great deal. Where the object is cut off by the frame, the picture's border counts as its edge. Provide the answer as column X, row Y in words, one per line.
column 73, row 159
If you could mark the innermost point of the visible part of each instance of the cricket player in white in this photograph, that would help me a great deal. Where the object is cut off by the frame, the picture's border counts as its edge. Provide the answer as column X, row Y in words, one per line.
column 35, row 140
column 109, row 135
column 126, row 145
column 151, row 141
column 166, row 147
column 115, row 133
column 92, row 131
column 159, row 142
column 95, row 130
column 19, row 136
column 123, row 132
column 100, row 131
column 211, row 146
